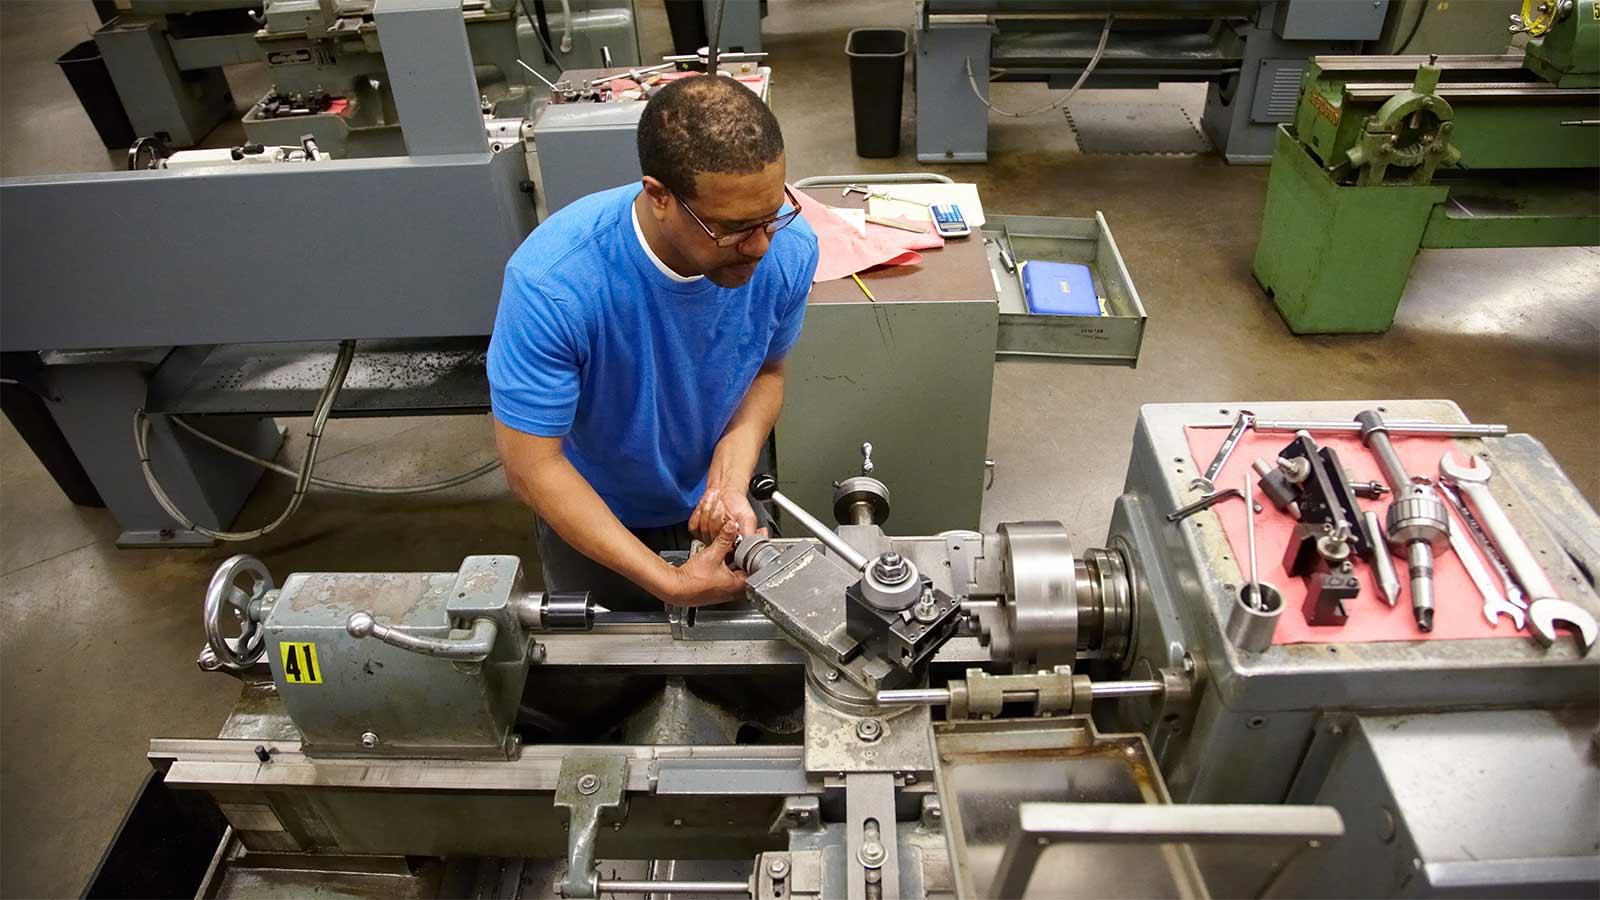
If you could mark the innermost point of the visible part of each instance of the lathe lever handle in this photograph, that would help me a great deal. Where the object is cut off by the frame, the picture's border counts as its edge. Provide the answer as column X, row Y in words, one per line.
column 764, row 487
column 474, row 648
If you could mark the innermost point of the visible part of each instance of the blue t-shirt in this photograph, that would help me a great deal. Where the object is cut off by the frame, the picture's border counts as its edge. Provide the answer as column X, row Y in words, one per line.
column 638, row 373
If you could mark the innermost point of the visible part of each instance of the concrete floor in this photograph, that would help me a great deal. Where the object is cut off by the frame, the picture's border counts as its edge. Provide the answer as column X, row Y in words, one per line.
column 97, row 645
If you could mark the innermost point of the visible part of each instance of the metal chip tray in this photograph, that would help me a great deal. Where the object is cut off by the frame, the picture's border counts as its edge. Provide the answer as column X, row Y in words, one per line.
column 1110, row 339
column 437, row 375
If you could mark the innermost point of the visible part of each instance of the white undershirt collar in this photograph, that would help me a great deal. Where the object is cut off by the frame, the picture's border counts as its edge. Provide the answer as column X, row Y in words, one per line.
column 665, row 269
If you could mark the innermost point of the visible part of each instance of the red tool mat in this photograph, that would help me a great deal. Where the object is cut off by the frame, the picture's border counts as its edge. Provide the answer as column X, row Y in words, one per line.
column 1458, row 606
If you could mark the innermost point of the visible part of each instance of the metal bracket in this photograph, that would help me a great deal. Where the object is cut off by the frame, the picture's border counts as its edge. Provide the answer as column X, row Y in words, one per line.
column 872, row 849
column 798, row 814
column 983, row 696
column 589, row 787
column 963, row 549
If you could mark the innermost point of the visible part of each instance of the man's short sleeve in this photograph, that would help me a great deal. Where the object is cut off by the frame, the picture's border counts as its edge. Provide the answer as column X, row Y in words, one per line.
column 792, row 311
column 534, row 360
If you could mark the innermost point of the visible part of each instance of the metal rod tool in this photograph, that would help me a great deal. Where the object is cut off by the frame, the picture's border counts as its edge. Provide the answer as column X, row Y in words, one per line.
column 1403, row 429
column 1099, row 690
column 1255, row 614
column 765, row 487
column 1382, row 562
column 1418, row 519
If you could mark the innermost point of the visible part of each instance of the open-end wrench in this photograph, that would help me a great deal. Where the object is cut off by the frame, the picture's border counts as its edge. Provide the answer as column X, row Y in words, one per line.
column 1495, row 603
column 1207, row 483
column 1509, row 588
column 1547, row 610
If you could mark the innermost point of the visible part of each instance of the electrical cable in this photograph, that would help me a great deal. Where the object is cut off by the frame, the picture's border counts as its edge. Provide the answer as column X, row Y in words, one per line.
column 345, row 486
column 319, row 420
column 1415, row 24
column 539, row 33
column 714, row 46
column 1099, row 50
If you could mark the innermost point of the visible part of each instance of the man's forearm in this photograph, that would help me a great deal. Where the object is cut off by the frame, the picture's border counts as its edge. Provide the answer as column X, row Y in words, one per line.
column 566, row 502
column 734, row 460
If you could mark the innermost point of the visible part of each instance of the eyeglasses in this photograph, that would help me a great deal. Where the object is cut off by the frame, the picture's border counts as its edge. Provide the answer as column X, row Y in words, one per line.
column 734, row 238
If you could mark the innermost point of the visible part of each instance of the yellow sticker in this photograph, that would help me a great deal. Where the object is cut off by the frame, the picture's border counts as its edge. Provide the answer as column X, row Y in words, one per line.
column 300, row 663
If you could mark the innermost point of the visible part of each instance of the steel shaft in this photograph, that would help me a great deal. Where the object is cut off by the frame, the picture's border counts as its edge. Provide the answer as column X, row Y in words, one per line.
column 851, row 556
column 1444, row 429
column 1099, row 690
column 675, row 888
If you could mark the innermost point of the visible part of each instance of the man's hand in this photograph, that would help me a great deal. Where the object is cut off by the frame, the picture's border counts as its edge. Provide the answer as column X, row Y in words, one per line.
column 718, row 507
column 706, row 579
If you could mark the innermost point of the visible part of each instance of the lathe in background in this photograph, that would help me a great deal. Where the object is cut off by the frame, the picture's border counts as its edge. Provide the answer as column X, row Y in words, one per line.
column 1390, row 155
column 324, row 57
column 1249, row 53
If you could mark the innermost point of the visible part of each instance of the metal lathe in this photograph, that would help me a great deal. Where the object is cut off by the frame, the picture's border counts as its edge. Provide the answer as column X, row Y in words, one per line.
column 1389, row 156
column 966, row 714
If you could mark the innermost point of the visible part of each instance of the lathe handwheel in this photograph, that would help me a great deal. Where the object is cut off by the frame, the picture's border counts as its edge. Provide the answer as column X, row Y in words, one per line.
column 225, row 592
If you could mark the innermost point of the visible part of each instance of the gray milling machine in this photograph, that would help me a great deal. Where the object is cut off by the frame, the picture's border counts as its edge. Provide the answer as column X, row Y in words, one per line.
column 967, row 714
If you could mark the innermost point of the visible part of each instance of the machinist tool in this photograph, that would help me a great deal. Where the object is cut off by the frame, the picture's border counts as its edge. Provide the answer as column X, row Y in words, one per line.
column 1486, row 551
column 1495, row 603
column 1418, row 519
column 1310, row 483
column 1284, row 499
column 1546, row 610
column 1207, row 483
column 868, row 194
column 1208, row 501
column 1382, row 562
column 1255, row 615
column 1402, row 429
column 891, row 223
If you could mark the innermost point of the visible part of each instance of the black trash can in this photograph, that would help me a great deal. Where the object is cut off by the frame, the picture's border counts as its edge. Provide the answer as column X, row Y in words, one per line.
column 877, row 74
column 91, row 81
column 687, row 21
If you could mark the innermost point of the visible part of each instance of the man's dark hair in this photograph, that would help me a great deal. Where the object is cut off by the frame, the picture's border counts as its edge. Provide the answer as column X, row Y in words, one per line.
column 705, row 124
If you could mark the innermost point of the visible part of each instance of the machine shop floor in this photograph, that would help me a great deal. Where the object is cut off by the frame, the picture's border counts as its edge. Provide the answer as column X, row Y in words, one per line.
column 97, row 645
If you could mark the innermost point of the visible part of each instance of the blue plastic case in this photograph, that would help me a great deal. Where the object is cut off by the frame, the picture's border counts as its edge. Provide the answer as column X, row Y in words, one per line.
column 1059, row 289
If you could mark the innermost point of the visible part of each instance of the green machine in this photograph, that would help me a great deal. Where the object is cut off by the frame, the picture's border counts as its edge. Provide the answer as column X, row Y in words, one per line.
column 1388, row 155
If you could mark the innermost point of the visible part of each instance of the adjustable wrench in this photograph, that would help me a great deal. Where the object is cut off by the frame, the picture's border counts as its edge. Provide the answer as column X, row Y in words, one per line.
column 1546, row 610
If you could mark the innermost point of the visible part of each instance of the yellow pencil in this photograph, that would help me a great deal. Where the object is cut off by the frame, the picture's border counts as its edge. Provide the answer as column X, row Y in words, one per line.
column 863, row 285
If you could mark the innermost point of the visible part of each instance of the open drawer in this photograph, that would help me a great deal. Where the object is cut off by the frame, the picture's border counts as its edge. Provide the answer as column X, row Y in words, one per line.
column 1113, row 338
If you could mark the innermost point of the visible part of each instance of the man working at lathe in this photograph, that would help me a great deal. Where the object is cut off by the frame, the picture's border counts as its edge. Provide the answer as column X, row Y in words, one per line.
column 636, row 367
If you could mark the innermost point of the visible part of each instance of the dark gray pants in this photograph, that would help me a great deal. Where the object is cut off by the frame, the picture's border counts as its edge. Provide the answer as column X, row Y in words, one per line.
column 565, row 569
